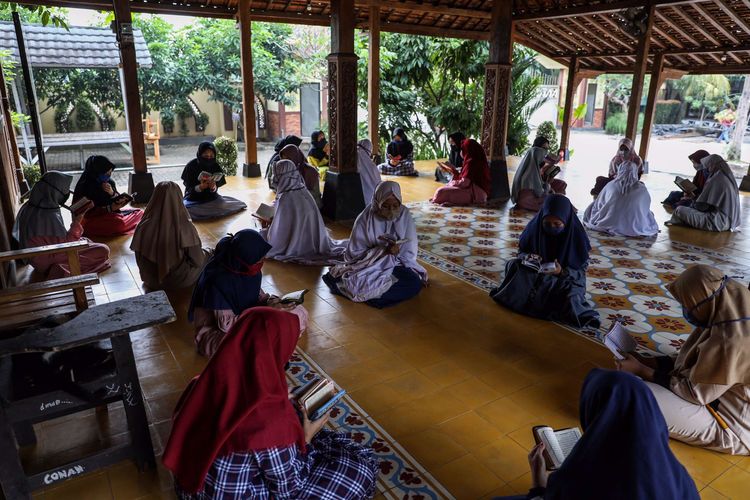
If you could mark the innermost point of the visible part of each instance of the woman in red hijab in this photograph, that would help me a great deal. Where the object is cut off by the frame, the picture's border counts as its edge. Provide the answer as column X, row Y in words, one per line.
column 472, row 185
column 236, row 433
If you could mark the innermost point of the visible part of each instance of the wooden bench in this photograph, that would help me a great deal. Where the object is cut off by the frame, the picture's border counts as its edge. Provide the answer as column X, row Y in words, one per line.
column 25, row 305
column 114, row 321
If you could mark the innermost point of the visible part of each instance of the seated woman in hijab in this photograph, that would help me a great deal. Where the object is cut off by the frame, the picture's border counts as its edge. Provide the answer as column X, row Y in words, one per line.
column 239, row 433
column 718, row 206
column 625, row 152
column 281, row 144
column 166, row 244
column 318, row 155
column 548, row 279
column 297, row 232
column 202, row 178
column 454, row 159
column 107, row 218
column 228, row 285
column 704, row 393
column 39, row 223
column 471, row 185
column 381, row 266
column 399, row 156
column 623, row 454
column 310, row 174
column 623, row 207
column 531, row 184
column 368, row 171
column 680, row 198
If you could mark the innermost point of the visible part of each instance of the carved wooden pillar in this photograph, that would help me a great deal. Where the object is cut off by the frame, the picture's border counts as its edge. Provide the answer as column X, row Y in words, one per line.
column 496, row 93
column 373, row 83
column 570, row 90
column 657, row 78
column 250, row 167
column 342, row 194
column 139, row 181
column 636, row 91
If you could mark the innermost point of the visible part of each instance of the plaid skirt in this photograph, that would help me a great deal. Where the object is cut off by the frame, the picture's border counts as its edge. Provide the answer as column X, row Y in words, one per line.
column 404, row 168
column 334, row 467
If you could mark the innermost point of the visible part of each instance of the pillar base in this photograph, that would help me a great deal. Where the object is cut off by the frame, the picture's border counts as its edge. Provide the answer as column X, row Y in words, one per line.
column 500, row 189
column 251, row 170
column 141, row 183
column 342, row 196
column 745, row 184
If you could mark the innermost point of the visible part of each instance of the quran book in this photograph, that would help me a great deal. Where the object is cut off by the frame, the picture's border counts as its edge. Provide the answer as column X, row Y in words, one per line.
column 81, row 206
column 551, row 173
column 686, row 185
column 297, row 297
column 537, row 265
column 317, row 397
column 619, row 341
column 557, row 443
column 207, row 175
column 265, row 212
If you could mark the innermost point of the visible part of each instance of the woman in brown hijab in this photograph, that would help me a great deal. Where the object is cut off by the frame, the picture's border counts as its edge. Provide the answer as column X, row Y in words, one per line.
column 166, row 244
column 704, row 393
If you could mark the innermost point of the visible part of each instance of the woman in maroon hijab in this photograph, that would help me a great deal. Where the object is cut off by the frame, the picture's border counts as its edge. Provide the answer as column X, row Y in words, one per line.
column 471, row 186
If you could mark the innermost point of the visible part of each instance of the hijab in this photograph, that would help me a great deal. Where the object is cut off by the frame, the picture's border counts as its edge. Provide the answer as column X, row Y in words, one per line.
column 232, row 276
column 630, row 156
column 240, row 401
column 718, row 353
column 404, row 148
column 570, row 248
column 698, row 156
column 368, row 171
column 624, row 451
column 455, row 153
column 540, row 141
column 287, row 177
column 528, row 174
column 290, row 139
column 316, row 151
column 475, row 166
column 309, row 174
column 165, row 230
column 721, row 189
column 40, row 215
column 90, row 183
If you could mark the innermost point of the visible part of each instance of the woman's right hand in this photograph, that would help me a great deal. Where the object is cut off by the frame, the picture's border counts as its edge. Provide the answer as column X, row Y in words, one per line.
column 539, row 473
column 311, row 428
column 107, row 187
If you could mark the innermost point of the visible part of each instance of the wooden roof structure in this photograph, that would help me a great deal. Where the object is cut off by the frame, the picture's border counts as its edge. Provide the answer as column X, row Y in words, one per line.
column 695, row 36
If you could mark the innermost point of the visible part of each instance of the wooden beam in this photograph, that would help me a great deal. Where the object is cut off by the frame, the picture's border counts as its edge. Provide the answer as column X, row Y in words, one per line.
column 738, row 19
column 561, row 32
column 248, row 87
column 614, row 37
column 123, row 21
column 696, row 26
column 594, row 8
column 428, row 8
column 373, row 80
column 197, row 10
column 585, row 30
column 657, row 78
column 669, row 38
column 708, row 17
column 545, row 39
column 664, row 19
column 636, row 90
column 572, row 86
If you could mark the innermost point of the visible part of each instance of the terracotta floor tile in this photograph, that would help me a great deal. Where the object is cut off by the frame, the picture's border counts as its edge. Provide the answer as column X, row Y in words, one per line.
column 521, row 485
column 504, row 457
column 467, row 478
column 445, row 373
column 709, row 493
column 734, row 483
column 505, row 414
column 432, row 448
column 473, row 392
column 470, row 431
column 703, row 465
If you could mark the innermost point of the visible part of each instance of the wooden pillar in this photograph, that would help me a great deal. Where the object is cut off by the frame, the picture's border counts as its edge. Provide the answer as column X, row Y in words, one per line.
column 342, row 195
column 250, row 167
column 657, row 78
column 373, row 79
column 570, row 90
column 496, row 98
column 139, row 181
column 636, row 90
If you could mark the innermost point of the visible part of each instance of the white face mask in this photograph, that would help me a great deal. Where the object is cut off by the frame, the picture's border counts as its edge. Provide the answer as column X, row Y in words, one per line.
column 621, row 153
column 388, row 214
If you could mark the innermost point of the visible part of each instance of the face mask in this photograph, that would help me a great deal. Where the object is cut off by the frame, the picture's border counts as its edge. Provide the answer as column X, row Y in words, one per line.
column 688, row 313
column 553, row 230
column 103, row 178
column 388, row 214
column 621, row 153
column 697, row 166
column 207, row 161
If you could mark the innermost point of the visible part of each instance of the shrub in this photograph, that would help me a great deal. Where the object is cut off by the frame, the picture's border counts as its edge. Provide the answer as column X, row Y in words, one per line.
column 184, row 111
column 107, row 122
column 226, row 155
column 201, row 122
column 32, row 173
column 167, row 120
column 667, row 111
column 547, row 129
column 617, row 123
column 62, row 119
column 85, row 115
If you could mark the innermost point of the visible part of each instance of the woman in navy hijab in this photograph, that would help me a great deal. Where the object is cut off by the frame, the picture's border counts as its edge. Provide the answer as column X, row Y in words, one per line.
column 557, row 291
column 624, row 452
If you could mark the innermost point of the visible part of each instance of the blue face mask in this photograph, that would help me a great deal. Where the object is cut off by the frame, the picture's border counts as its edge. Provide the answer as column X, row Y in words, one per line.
column 553, row 230
column 103, row 178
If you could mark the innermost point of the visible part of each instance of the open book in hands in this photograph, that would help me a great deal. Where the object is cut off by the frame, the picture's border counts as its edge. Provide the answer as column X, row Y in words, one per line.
column 81, row 206
column 317, row 397
column 686, row 185
column 619, row 341
column 265, row 212
column 389, row 240
column 206, row 176
column 535, row 262
column 557, row 443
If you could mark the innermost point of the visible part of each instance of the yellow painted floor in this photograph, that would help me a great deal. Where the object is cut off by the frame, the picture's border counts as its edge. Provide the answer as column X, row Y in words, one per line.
column 456, row 379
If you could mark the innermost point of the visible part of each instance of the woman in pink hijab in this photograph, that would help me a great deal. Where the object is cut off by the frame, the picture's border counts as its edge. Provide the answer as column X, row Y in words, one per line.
column 625, row 153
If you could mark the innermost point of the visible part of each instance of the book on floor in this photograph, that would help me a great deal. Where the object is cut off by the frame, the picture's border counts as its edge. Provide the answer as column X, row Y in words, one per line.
column 265, row 212
column 557, row 443
column 208, row 176
column 686, row 185
column 81, row 206
column 297, row 297
column 317, row 397
column 619, row 341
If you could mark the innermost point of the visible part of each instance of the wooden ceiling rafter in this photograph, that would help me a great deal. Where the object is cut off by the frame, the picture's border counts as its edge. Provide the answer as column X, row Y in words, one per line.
column 734, row 16
column 545, row 37
column 591, row 32
column 708, row 17
column 696, row 26
column 613, row 37
column 562, row 32
column 542, row 39
column 660, row 17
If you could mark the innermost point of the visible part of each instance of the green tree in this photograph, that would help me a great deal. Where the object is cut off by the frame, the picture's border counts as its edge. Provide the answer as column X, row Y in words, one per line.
column 707, row 93
column 38, row 14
